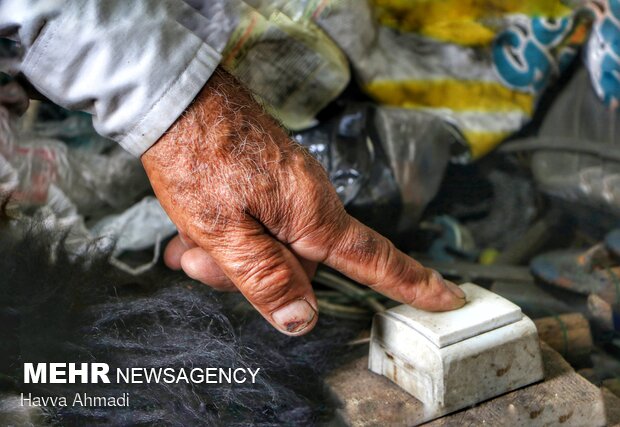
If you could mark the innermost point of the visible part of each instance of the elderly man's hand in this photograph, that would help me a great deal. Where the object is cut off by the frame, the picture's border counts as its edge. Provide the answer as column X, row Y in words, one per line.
column 256, row 213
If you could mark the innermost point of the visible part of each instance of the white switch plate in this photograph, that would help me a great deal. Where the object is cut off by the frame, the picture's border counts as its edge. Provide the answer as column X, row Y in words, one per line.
column 452, row 360
column 483, row 312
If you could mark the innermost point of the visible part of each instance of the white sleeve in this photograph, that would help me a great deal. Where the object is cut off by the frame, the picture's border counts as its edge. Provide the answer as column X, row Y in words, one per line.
column 134, row 65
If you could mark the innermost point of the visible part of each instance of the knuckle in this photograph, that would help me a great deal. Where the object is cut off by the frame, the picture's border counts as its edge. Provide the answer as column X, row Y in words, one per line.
column 362, row 247
column 418, row 276
column 425, row 276
column 316, row 212
column 304, row 207
column 412, row 284
column 422, row 279
column 387, row 263
column 267, row 281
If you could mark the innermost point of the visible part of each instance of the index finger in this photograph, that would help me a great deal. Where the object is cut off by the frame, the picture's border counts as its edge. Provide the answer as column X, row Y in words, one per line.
column 370, row 259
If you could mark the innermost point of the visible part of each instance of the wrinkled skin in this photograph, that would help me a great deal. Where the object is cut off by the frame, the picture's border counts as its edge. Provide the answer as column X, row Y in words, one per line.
column 256, row 213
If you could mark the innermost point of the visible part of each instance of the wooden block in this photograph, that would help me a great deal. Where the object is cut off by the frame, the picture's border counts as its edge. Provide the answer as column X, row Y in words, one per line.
column 564, row 398
column 568, row 334
column 613, row 385
column 612, row 407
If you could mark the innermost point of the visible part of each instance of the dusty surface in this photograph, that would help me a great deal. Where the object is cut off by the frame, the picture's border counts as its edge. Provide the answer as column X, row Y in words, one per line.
column 564, row 398
column 459, row 375
column 612, row 408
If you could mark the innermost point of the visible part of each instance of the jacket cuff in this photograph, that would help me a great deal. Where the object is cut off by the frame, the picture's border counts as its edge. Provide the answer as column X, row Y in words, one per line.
column 135, row 66
column 172, row 103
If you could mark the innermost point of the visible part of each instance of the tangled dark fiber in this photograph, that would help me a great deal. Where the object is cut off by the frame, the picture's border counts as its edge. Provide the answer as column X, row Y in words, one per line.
column 56, row 308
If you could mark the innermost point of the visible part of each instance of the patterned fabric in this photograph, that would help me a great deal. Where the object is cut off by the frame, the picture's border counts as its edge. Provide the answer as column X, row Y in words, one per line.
column 479, row 64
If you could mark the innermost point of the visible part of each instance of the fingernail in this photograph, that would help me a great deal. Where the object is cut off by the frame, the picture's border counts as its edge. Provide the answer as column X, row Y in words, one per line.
column 294, row 317
column 455, row 289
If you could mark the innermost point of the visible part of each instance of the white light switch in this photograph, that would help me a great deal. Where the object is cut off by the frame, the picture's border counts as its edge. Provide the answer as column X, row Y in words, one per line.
column 460, row 358
column 483, row 312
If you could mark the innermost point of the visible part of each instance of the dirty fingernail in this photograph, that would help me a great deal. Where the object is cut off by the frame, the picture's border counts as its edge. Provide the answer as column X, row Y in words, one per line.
column 294, row 317
column 455, row 289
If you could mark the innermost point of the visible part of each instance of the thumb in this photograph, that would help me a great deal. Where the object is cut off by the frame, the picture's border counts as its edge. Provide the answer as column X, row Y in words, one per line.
column 268, row 275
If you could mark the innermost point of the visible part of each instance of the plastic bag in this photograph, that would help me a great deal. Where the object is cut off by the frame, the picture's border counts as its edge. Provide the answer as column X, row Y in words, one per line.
column 481, row 66
column 142, row 226
column 578, row 148
column 61, row 186
column 97, row 184
column 139, row 227
column 386, row 164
